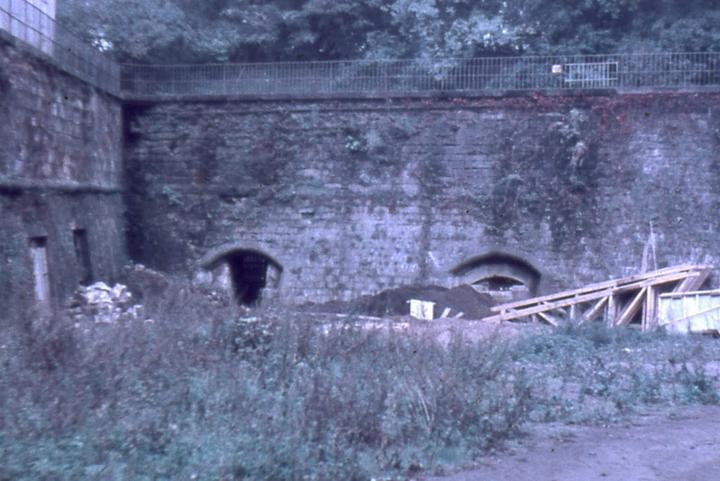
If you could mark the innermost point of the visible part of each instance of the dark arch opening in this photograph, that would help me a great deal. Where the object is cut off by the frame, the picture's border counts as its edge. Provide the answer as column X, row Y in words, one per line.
column 499, row 283
column 251, row 272
column 498, row 274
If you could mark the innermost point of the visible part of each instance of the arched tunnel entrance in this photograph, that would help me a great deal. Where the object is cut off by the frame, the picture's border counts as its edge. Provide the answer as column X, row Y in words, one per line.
column 502, row 276
column 247, row 273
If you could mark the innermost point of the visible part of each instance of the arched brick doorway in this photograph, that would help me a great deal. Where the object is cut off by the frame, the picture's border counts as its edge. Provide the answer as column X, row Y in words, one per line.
column 248, row 273
column 503, row 276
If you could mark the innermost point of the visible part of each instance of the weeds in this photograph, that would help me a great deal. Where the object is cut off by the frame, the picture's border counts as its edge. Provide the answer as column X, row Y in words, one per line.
column 197, row 396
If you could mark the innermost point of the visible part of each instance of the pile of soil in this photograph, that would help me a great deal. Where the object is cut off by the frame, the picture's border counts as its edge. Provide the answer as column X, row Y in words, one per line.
column 394, row 302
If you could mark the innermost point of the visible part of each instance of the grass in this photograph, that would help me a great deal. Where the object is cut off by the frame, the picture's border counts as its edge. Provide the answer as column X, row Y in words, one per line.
column 198, row 394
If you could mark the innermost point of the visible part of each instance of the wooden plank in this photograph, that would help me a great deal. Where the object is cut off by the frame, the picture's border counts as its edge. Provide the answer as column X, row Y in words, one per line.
column 692, row 284
column 684, row 286
column 612, row 310
column 695, row 314
column 691, row 293
column 548, row 319
column 604, row 285
column 650, row 311
column 508, row 314
column 594, row 311
column 631, row 309
column 700, row 280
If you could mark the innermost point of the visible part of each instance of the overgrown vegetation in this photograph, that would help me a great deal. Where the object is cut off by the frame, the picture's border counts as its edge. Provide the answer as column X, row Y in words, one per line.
column 195, row 395
column 167, row 31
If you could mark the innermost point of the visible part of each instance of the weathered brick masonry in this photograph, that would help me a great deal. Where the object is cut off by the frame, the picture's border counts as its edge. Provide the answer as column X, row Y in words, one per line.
column 346, row 196
column 353, row 196
column 60, row 179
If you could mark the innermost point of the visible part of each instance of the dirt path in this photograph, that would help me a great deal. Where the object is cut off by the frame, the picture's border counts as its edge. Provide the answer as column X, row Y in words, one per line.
column 682, row 444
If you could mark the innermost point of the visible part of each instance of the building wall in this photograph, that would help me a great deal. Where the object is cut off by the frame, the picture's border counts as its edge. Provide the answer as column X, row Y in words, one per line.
column 60, row 170
column 355, row 196
column 348, row 197
column 32, row 21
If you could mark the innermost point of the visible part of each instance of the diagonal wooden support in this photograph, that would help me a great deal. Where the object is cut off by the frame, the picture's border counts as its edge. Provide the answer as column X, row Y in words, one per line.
column 631, row 309
column 693, row 283
column 548, row 318
column 593, row 312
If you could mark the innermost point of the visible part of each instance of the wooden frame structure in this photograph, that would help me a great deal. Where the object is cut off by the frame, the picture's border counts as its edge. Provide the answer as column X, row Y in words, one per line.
column 617, row 301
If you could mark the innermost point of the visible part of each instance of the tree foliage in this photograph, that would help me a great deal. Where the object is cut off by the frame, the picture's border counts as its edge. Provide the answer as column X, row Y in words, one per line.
column 258, row 30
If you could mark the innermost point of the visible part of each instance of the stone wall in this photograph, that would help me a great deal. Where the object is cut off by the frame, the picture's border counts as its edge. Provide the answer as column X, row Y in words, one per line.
column 355, row 196
column 60, row 179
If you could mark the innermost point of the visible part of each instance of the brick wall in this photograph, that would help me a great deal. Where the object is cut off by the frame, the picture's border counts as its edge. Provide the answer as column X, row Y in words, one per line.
column 355, row 196
column 60, row 171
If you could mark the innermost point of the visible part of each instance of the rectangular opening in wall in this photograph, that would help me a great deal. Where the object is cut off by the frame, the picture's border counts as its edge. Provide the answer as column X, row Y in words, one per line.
column 41, row 273
column 82, row 256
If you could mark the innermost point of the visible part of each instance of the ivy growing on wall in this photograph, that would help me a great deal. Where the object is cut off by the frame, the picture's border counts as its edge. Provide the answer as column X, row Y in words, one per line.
column 550, row 179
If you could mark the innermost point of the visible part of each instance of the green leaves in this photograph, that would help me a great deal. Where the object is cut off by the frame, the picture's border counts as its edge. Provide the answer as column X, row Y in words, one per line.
column 432, row 29
column 181, row 31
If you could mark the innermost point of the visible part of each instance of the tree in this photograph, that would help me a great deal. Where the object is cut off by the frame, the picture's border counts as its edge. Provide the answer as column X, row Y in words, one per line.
column 427, row 29
column 181, row 31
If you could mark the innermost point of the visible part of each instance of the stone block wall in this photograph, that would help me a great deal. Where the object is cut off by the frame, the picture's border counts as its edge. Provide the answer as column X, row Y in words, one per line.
column 60, row 180
column 347, row 196
column 355, row 196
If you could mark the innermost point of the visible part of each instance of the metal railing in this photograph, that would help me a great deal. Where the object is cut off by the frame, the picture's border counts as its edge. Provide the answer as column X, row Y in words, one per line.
column 406, row 77
column 36, row 28
column 367, row 78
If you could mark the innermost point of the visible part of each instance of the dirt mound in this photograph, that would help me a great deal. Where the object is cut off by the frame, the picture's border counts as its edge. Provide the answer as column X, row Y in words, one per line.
column 394, row 302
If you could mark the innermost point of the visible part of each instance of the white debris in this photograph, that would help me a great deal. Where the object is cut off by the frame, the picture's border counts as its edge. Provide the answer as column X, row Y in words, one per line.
column 102, row 304
column 421, row 309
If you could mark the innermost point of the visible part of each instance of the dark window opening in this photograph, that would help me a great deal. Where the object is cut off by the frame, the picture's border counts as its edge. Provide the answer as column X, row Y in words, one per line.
column 248, row 271
column 499, row 283
column 82, row 256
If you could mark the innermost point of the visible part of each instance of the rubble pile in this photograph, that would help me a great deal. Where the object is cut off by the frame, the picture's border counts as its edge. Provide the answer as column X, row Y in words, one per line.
column 145, row 281
column 101, row 303
column 394, row 302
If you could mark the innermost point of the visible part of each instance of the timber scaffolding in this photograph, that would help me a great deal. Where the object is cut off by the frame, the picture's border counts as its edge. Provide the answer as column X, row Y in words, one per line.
column 618, row 301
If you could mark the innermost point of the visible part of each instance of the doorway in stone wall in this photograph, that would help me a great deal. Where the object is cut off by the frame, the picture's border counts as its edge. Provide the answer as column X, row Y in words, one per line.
column 82, row 256
column 250, row 275
column 41, row 273
column 504, row 277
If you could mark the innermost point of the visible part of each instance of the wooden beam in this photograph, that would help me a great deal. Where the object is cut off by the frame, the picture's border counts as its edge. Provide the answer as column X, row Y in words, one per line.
column 692, row 283
column 612, row 310
column 650, row 310
column 577, row 295
column 631, row 309
column 715, row 292
column 607, row 285
column 508, row 313
column 683, row 286
column 594, row 311
column 548, row 319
